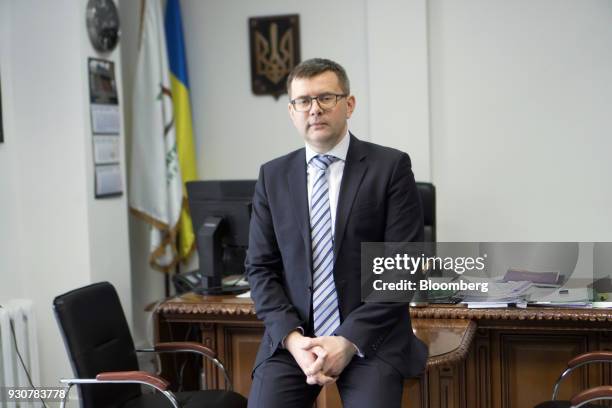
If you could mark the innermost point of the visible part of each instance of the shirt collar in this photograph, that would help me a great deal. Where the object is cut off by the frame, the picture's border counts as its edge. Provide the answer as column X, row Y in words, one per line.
column 340, row 150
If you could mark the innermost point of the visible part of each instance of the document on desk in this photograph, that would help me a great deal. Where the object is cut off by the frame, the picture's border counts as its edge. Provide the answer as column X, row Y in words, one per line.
column 567, row 297
column 497, row 292
column 487, row 305
column 245, row 295
column 538, row 278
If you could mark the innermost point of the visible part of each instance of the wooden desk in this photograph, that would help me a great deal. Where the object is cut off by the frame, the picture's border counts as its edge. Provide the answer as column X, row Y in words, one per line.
column 478, row 358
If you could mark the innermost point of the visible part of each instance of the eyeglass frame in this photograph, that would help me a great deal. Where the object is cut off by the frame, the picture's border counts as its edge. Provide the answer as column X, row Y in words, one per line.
column 312, row 98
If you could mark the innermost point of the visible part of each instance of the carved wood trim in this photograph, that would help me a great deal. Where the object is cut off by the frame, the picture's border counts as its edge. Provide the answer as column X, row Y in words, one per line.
column 544, row 314
column 458, row 354
column 218, row 305
column 225, row 309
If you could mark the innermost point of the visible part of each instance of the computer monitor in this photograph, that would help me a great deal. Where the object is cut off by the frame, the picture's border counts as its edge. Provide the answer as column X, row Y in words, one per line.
column 220, row 213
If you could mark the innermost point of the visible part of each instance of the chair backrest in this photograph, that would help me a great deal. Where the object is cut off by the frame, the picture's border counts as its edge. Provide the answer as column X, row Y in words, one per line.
column 427, row 191
column 97, row 339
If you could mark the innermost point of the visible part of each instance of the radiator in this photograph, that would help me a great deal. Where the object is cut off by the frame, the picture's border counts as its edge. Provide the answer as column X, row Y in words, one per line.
column 21, row 313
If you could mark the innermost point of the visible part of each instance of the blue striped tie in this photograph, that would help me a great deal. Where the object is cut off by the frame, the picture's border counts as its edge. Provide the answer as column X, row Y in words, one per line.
column 324, row 297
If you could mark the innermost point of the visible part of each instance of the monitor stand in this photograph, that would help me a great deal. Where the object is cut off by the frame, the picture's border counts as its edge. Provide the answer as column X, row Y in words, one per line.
column 210, row 252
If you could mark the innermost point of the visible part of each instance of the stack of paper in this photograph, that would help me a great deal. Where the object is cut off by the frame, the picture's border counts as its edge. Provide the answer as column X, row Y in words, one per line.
column 499, row 294
column 537, row 278
column 494, row 305
column 567, row 297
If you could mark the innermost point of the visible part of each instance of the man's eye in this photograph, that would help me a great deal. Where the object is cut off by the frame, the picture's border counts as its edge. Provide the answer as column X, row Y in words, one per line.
column 302, row 101
column 326, row 98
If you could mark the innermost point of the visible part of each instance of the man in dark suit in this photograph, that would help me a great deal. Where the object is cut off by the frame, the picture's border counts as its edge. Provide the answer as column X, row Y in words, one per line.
column 312, row 209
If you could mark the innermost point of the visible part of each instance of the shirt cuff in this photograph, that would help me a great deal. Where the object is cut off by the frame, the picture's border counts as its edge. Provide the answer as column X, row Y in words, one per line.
column 358, row 352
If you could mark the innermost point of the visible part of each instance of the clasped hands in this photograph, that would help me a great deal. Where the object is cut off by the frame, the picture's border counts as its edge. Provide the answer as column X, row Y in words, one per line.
column 322, row 359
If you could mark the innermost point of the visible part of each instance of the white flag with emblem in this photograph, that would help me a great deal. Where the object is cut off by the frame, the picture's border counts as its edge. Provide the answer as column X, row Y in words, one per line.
column 155, row 191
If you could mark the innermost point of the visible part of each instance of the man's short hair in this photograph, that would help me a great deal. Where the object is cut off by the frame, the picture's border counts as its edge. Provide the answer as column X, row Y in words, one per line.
column 316, row 66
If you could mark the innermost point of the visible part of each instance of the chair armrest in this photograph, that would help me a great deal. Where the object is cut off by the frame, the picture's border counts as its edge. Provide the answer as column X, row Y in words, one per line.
column 123, row 377
column 592, row 394
column 186, row 346
column 135, row 376
column 591, row 357
column 191, row 347
column 579, row 361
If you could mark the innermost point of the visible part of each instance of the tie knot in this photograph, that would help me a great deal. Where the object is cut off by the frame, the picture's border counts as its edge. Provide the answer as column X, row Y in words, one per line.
column 322, row 161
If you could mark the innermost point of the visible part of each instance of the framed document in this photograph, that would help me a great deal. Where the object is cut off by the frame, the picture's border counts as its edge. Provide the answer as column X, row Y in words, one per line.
column 105, row 119
column 105, row 127
column 108, row 180
column 106, row 149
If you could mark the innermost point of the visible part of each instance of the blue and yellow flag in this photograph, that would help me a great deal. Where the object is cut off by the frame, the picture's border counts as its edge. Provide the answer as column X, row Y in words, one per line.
column 182, row 117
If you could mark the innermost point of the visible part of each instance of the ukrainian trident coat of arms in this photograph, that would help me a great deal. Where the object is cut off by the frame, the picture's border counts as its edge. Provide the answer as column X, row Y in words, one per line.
column 275, row 50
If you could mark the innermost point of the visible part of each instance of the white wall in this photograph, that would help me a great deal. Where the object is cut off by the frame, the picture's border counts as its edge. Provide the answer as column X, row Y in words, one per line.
column 381, row 44
column 54, row 236
column 10, row 270
column 45, row 146
column 396, row 44
column 237, row 131
column 521, row 100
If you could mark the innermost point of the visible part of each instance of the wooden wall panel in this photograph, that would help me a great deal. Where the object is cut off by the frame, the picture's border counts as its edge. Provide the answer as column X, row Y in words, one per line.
column 529, row 364
column 241, row 345
column 415, row 394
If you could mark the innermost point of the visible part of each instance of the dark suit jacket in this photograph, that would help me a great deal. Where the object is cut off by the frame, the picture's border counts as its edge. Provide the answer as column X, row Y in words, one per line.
column 378, row 202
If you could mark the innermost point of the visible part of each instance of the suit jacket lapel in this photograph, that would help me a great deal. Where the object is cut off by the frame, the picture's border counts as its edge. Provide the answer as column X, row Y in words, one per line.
column 296, row 181
column 354, row 170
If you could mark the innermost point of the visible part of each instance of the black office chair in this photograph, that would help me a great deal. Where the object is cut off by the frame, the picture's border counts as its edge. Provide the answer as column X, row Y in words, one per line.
column 584, row 398
column 427, row 191
column 103, row 357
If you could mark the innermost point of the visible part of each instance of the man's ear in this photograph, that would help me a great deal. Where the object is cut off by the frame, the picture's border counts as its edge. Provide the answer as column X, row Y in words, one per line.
column 350, row 105
column 291, row 110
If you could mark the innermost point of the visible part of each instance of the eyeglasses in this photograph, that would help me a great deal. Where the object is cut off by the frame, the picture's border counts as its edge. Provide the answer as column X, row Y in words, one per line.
column 325, row 101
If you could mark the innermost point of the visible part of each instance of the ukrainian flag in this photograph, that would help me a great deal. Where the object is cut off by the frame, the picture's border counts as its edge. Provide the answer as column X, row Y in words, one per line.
column 182, row 117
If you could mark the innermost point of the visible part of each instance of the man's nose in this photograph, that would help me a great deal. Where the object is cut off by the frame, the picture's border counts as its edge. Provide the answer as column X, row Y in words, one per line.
column 315, row 108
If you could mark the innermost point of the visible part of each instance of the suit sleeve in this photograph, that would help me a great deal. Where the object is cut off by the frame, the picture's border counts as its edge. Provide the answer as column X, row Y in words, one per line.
column 367, row 325
column 264, row 268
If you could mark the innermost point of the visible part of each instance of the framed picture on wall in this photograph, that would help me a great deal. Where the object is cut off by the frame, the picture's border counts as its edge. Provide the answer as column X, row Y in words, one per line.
column 274, row 42
column 102, row 84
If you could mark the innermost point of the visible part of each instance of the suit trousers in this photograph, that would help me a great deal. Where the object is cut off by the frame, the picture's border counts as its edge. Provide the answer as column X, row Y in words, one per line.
column 278, row 382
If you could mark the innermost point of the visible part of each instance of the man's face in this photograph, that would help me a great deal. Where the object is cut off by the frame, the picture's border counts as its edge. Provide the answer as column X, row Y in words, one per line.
column 321, row 128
